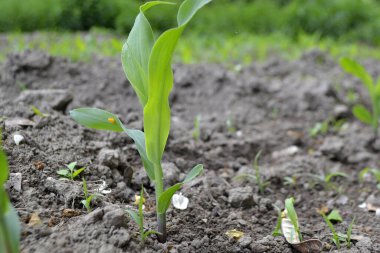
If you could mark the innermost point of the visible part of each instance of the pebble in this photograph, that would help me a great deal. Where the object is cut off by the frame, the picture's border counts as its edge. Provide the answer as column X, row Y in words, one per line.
column 109, row 158
column 241, row 197
column 15, row 180
column 115, row 218
column 94, row 216
column 245, row 241
column 171, row 173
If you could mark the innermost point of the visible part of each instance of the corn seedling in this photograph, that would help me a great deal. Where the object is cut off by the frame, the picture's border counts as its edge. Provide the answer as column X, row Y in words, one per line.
column 10, row 228
column 147, row 65
column 277, row 229
column 292, row 215
column 360, row 111
column 139, row 217
column 87, row 196
column 335, row 238
column 197, row 128
column 256, row 176
column 334, row 216
column 70, row 173
column 374, row 172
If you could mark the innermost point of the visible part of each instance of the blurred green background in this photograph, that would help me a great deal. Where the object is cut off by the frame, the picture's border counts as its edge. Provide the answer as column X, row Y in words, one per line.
column 235, row 30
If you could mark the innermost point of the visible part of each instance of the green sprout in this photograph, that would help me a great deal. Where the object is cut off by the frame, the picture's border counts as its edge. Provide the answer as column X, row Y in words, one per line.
column 70, row 172
column 349, row 232
column 292, row 215
column 37, row 112
column 360, row 111
column 326, row 180
column 10, row 228
column 87, row 197
column 197, row 128
column 139, row 218
column 230, row 126
column 277, row 229
column 335, row 238
column 330, row 124
column 291, row 181
column 256, row 176
column 147, row 65
column 374, row 172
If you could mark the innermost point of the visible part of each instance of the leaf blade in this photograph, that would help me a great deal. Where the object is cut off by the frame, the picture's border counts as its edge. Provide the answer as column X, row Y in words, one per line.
column 362, row 114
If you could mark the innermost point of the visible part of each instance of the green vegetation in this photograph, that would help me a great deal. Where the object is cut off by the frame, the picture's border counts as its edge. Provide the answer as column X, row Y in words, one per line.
column 339, row 237
column 292, row 215
column 147, row 65
column 373, row 88
column 70, row 172
column 374, row 172
column 327, row 180
column 10, row 228
column 87, row 196
column 256, row 176
column 197, row 128
column 139, row 218
column 335, row 238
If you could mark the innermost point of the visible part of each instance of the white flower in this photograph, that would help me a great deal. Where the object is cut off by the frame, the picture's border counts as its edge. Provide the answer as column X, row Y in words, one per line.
column 179, row 201
column 18, row 138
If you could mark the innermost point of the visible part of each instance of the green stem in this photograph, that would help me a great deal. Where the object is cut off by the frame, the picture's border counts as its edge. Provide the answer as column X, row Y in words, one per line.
column 161, row 218
column 8, row 247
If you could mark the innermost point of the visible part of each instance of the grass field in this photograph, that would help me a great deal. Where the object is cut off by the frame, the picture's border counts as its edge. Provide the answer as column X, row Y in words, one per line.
column 238, row 48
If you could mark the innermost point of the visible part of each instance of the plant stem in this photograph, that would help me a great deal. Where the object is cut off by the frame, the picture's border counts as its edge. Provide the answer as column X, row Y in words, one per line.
column 161, row 218
column 8, row 247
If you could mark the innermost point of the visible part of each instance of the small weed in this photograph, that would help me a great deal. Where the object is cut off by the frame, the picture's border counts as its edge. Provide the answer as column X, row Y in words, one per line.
column 291, row 181
column 322, row 128
column 335, row 238
column 139, row 218
column 197, row 128
column 339, row 237
column 37, row 112
column 87, row 197
column 256, row 176
column 374, row 172
column 70, row 172
column 326, row 180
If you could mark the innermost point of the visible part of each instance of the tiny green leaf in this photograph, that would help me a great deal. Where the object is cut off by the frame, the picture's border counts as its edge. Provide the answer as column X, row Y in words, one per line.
column 277, row 230
column 134, row 215
column 349, row 232
column 3, row 167
column 72, row 165
column 334, row 174
column 196, row 171
column 148, row 233
column 291, row 213
column 63, row 173
column 362, row 114
column 335, row 216
column 77, row 172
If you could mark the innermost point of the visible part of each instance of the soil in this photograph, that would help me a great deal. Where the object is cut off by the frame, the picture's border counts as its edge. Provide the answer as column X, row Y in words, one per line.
column 270, row 107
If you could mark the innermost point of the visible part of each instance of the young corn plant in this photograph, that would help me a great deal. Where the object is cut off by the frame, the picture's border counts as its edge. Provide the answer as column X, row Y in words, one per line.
column 337, row 236
column 147, row 65
column 360, row 111
column 139, row 218
column 10, row 228
column 70, row 173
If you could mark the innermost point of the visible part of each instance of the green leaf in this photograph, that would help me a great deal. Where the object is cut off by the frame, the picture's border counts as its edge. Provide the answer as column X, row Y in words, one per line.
column 148, row 233
column 85, row 190
column 362, row 173
column 136, row 52
column 196, row 171
column 4, row 173
column 362, row 114
column 71, row 166
column 157, row 109
column 63, row 173
column 77, row 172
column 335, row 239
column 135, row 217
column 291, row 213
column 277, row 230
column 335, row 216
column 97, row 119
column 354, row 68
column 166, row 196
column 12, row 228
column 349, row 232
column 100, row 119
column 334, row 174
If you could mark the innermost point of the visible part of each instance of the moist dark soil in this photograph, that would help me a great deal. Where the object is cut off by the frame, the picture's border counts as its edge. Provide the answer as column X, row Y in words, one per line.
column 270, row 107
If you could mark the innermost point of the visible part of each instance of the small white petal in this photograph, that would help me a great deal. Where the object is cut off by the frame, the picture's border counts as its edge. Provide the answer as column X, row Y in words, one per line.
column 179, row 201
column 18, row 138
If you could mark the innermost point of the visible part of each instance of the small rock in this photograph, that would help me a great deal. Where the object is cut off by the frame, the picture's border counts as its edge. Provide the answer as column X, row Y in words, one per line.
column 364, row 245
column 332, row 147
column 340, row 112
column 65, row 188
column 47, row 99
column 115, row 218
column 289, row 151
column 171, row 173
column 245, row 241
column 241, row 197
column 18, row 122
column 109, row 157
column 15, row 180
column 94, row 216
column 18, row 138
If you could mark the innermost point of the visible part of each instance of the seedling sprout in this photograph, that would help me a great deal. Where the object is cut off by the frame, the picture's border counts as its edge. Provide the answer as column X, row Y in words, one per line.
column 87, row 196
column 70, row 173
column 147, row 65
